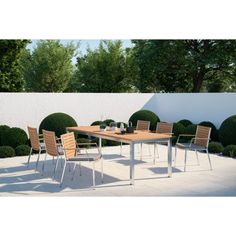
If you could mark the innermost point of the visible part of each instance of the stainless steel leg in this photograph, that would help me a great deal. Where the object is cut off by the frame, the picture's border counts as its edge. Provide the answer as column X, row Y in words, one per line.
column 154, row 157
column 61, row 161
column 197, row 157
column 93, row 173
column 73, row 175
column 169, row 158
column 100, row 146
column 132, row 163
column 209, row 158
column 38, row 160
column 44, row 163
column 63, row 172
column 185, row 159
column 55, row 168
column 102, row 169
column 31, row 149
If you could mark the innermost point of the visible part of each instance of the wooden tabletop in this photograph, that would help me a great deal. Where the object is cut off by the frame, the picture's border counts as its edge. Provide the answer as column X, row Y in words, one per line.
column 136, row 136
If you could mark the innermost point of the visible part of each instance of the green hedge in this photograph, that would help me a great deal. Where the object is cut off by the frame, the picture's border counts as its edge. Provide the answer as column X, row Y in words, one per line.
column 227, row 131
column 3, row 131
column 230, row 151
column 145, row 115
column 22, row 150
column 15, row 137
column 57, row 122
column 215, row 147
column 6, row 151
column 185, row 122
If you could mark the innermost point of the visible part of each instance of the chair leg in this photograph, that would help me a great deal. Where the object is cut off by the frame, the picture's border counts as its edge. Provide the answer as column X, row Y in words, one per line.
column 61, row 161
column 93, row 174
column 185, row 160
column 62, row 176
column 44, row 163
column 31, row 149
column 175, row 155
column 209, row 158
column 102, row 169
column 141, row 154
column 38, row 160
column 197, row 157
column 55, row 169
column 73, row 175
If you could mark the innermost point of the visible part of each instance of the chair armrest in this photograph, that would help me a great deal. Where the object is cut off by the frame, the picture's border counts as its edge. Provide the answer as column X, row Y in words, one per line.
column 192, row 140
column 40, row 135
column 81, row 144
column 185, row 135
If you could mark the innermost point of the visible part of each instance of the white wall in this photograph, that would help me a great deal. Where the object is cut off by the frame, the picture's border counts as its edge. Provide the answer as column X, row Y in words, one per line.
column 22, row 109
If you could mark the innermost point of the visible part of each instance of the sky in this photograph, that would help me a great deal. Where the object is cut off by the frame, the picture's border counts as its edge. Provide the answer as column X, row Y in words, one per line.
column 84, row 44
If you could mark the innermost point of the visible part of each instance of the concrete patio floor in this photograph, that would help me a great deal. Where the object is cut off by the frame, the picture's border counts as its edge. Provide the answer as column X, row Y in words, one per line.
column 150, row 180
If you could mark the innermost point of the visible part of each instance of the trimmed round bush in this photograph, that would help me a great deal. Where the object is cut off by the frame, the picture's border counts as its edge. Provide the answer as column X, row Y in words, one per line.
column 214, row 131
column 97, row 122
column 3, row 130
column 15, row 137
column 22, row 150
column 6, row 151
column 185, row 122
column 57, row 122
column 108, row 121
column 118, row 124
column 227, row 131
column 215, row 147
column 178, row 129
column 191, row 129
column 145, row 115
column 230, row 151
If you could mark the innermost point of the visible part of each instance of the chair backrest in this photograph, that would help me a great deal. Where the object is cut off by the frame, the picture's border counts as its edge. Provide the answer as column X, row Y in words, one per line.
column 143, row 125
column 69, row 145
column 50, row 142
column 34, row 139
column 163, row 127
column 202, row 136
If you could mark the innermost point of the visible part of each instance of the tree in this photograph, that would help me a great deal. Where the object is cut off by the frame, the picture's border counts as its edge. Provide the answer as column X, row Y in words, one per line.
column 101, row 70
column 49, row 68
column 10, row 71
column 181, row 65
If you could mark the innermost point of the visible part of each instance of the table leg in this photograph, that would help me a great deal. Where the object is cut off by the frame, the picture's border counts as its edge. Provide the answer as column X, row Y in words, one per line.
column 100, row 145
column 169, row 158
column 132, row 163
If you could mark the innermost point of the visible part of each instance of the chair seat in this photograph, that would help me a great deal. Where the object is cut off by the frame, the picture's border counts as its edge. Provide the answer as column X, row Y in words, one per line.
column 86, row 157
column 190, row 146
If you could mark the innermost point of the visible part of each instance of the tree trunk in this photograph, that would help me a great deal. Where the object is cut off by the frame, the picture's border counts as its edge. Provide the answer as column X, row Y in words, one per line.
column 198, row 78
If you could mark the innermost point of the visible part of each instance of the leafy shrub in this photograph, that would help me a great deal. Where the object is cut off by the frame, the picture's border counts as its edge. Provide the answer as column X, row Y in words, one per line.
column 22, row 150
column 118, row 124
column 97, row 122
column 227, row 131
column 6, row 151
column 185, row 122
column 57, row 122
column 178, row 129
column 145, row 115
column 214, row 131
column 3, row 130
column 215, row 147
column 230, row 151
column 191, row 129
column 108, row 121
column 15, row 137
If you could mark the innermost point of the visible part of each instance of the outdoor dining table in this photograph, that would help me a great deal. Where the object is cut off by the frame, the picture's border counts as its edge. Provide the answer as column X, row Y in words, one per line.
column 131, row 138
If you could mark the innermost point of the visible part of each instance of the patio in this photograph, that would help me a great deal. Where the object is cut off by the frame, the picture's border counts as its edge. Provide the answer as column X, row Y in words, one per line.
column 150, row 180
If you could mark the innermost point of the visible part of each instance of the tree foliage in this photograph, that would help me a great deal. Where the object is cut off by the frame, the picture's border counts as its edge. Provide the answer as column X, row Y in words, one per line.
column 101, row 70
column 49, row 68
column 182, row 65
column 10, row 71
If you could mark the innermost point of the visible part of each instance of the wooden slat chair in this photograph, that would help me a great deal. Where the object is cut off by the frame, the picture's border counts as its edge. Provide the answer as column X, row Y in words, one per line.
column 37, row 144
column 161, row 128
column 53, row 148
column 74, row 156
column 198, row 143
column 143, row 125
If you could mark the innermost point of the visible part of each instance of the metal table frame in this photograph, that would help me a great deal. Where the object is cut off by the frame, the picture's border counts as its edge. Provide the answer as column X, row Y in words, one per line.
column 132, row 148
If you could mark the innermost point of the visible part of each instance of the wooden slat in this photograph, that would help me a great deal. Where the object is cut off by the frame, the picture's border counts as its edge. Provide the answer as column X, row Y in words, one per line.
column 202, row 135
column 69, row 145
column 164, row 127
column 50, row 142
column 143, row 125
column 34, row 139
